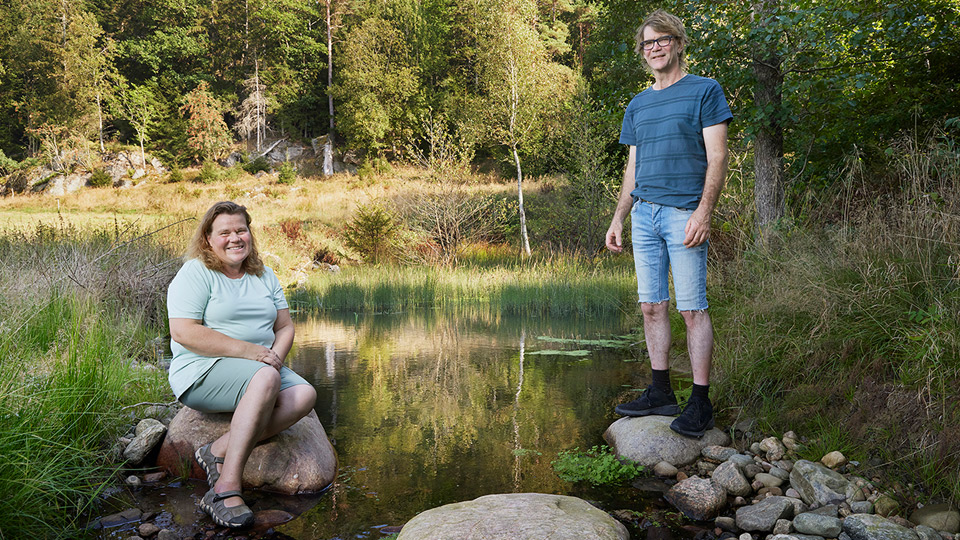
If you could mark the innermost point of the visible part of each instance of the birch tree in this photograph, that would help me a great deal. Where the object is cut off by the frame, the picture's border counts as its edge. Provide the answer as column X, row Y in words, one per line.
column 520, row 84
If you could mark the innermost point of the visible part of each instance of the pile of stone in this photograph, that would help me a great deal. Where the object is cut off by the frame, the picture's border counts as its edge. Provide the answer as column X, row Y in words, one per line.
column 765, row 492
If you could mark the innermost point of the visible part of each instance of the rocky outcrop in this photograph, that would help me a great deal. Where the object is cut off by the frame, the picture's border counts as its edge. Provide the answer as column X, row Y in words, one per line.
column 649, row 440
column 298, row 460
column 515, row 516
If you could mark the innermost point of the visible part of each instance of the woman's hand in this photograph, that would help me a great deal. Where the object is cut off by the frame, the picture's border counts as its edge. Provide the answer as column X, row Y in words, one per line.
column 270, row 357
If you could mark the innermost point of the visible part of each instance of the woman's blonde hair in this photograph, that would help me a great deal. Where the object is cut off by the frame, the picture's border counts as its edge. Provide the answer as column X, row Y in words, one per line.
column 199, row 247
column 661, row 21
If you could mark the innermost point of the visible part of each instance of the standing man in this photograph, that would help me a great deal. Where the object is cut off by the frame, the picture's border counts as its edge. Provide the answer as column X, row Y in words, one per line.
column 676, row 131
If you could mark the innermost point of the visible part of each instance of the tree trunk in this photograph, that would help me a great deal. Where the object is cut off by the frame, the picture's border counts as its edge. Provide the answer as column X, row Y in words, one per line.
column 330, row 68
column 523, row 214
column 768, row 148
column 100, row 121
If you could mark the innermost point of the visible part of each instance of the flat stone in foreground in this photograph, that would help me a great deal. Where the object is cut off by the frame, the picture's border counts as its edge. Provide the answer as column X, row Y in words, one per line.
column 649, row 440
column 874, row 527
column 515, row 516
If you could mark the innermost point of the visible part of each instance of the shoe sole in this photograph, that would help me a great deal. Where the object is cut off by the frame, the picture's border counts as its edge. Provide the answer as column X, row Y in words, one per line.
column 663, row 410
column 694, row 434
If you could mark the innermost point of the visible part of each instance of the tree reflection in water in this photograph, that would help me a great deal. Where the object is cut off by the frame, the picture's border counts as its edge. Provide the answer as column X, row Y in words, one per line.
column 426, row 409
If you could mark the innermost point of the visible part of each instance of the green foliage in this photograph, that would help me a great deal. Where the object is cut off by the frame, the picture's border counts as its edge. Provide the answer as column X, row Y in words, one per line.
column 209, row 173
column 257, row 165
column 598, row 466
column 175, row 176
column 373, row 233
column 287, row 173
column 7, row 165
column 100, row 178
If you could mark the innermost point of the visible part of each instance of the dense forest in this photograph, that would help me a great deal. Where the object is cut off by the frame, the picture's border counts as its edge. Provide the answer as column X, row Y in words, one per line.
column 540, row 83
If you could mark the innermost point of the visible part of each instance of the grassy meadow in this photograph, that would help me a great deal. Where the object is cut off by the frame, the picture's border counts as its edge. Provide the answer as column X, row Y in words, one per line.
column 841, row 324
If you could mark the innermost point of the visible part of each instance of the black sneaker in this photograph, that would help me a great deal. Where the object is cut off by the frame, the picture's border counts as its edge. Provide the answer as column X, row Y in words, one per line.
column 652, row 401
column 696, row 418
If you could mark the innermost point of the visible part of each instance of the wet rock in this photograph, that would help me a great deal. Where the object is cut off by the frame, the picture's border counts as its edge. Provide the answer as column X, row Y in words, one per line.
column 300, row 459
column 873, row 527
column 697, row 498
column 834, row 459
column 941, row 517
column 819, row 525
column 764, row 515
column 122, row 518
column 518, row 516
column 886, row 506
column 154, row 477
column 718, row 454
column 148, row 529
column 649, row 440
column 650, row 487
column 148, row 434
column 664, row 470
column 729, row 476
column 167, row 534
column 271, row 517
column 817, row 484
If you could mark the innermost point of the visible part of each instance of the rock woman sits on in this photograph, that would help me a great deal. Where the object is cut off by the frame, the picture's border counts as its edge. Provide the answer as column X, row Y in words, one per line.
column 231, row 329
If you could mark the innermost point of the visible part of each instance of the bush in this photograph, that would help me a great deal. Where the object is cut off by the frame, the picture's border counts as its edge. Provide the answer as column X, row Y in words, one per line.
column 257, row 165
column 372, row 233
column 598, row 466
column 288, row 174
column 176, row 175
column 209, row 173
column 100, row 178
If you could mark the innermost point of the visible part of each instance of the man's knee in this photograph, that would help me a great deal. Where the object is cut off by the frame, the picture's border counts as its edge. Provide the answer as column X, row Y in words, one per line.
column 694, row 317
column 654, row 310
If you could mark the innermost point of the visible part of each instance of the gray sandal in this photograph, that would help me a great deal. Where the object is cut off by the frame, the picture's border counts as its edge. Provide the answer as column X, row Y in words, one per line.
column 233, row 516
column 208, row 462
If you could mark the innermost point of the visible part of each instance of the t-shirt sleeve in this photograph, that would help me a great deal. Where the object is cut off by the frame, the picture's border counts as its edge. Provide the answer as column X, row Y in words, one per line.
column 188, row 293
column 276, row 290
column 715, row 109
column 627, row 134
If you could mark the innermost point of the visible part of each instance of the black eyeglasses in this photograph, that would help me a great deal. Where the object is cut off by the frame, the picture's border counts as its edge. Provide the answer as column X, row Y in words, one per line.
column 662, row 41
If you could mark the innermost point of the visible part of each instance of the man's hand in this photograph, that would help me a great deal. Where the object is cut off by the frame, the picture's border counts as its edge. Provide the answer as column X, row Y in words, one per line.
column 615, row 237
column 697, row 230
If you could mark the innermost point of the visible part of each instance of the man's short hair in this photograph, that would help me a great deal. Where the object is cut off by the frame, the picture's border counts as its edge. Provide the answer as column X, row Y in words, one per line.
column 661, row 21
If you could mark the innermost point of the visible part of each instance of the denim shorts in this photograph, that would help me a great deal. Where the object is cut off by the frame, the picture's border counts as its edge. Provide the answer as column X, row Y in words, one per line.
column 222, row 386
column 658, row 233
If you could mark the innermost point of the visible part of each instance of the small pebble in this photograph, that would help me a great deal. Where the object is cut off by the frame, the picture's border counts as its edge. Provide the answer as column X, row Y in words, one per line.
column 148, row 529
column 133, row 480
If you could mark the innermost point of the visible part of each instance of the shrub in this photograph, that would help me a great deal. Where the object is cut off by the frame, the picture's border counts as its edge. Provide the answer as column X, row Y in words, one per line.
column 100, row 178
column 257, row 165
column 209, row 173
column 175, row 176
column 598, row 466
column 288, row 174
column 372, row 233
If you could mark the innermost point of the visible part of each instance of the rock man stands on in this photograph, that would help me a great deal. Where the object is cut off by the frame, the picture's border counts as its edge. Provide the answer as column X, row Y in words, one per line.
column 676, row 131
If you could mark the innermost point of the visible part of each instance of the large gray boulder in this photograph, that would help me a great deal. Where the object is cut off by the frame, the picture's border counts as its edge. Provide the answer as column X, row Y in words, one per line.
column 817, row 484
column 300, row 459
column 515, row 516
column 764, row 515
column 874, row 527
column 942, row 517
column 649, row 440
column 698, row 498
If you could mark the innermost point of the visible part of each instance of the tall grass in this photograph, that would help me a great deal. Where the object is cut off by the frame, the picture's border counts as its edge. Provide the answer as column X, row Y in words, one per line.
column 852, row 318
column 76, row 309
column 556, row 286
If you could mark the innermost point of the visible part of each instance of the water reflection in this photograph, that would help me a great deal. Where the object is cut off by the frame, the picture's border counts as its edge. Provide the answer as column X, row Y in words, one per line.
column 430, row 408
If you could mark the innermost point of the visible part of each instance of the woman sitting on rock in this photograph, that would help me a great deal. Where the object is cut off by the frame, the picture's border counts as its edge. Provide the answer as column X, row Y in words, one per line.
column 231, row 329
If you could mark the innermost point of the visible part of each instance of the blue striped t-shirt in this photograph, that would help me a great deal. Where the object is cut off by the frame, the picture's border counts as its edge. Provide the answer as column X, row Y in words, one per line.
column 666, row 126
